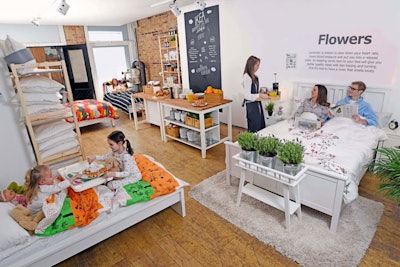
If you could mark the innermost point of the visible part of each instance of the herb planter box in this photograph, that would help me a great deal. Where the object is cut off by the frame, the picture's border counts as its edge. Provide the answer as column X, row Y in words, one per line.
column 208, row 122
column 189, row 121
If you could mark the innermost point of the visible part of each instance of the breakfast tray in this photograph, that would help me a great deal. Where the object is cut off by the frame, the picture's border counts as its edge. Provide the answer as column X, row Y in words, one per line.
column 68, row 171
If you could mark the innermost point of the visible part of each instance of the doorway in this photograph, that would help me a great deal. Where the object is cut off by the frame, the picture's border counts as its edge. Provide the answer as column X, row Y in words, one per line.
column 79, row 72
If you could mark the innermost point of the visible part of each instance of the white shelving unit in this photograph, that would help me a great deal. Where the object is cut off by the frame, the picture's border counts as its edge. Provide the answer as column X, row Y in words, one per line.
column 169, row 58
column 247, row 171
column 209, row 137
column 48, row 117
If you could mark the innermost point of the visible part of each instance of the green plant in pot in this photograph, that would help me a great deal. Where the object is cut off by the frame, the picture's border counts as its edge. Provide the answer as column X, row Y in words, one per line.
column 267, row 148
column 270, row 108
column 291, row 153
column 388, row 168
column 247, row 141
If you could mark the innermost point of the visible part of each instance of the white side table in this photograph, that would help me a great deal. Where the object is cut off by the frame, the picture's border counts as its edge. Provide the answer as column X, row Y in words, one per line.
column 249, row 169
column 392, row 141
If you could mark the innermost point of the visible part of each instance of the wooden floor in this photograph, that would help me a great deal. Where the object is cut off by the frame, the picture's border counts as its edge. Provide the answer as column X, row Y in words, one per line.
column 202, row 238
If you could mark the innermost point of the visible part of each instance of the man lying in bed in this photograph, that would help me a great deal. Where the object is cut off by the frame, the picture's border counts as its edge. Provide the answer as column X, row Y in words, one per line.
column 366, row 115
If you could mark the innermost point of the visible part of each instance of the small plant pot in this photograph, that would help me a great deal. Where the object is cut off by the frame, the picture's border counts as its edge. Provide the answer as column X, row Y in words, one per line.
column 250, row 155
column 291, row 169
column 267, row 161
column 270, row 113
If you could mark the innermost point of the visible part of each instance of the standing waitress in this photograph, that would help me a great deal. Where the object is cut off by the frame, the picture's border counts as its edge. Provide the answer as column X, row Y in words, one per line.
column 254, row 109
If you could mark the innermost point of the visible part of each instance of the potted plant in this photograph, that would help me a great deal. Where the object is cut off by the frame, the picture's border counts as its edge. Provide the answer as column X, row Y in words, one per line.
column 388, row 168
column 247, row 141
column 270, row 108
column 291, row 153
column 172, row 41
column 267, row 148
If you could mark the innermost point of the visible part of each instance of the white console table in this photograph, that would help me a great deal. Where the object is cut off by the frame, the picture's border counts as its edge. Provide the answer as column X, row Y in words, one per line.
column 249, row 168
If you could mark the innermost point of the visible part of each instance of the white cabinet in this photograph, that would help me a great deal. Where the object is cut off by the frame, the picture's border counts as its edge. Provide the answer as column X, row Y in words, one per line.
column 208, row 137
column 48, row 120
column 169, row 58
column 392, row 141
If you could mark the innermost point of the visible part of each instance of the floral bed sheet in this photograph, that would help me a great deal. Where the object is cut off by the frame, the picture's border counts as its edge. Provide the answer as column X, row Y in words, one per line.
column 341, row 146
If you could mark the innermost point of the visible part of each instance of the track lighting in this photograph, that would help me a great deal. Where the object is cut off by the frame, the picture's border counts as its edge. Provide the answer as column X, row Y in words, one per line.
column 201, row 4
column 35, row 21
column 63, row 7
column 174, row 9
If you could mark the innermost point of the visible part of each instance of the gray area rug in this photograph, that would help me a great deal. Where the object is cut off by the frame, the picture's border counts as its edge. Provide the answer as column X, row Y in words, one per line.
column 309, row 242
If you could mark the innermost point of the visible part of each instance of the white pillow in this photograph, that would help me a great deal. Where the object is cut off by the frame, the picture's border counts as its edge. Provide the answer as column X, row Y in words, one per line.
column 59, row 149
column 39, row 84
column 37, row 97
column 63, row 137
column 35, row 109
column 49, row 130
column 17, row 53
column 11, row 233
column 383, row 118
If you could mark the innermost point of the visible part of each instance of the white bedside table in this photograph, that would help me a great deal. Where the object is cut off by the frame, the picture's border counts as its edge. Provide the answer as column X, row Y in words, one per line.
column 392, row 141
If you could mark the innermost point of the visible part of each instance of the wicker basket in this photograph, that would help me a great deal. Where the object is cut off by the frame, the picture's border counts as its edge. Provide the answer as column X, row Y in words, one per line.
column 172, row 130
column 189, row 121
column 213, row 98
column 208, row 122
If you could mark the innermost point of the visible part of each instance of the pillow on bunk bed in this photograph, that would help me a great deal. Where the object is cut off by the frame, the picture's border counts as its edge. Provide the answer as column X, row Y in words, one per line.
column 57, row 139
column 11, row 233
column 59, row 148
column 18, row 53
column 36, row 109
column 39, row 84
column 41, row 98
column 46, row 131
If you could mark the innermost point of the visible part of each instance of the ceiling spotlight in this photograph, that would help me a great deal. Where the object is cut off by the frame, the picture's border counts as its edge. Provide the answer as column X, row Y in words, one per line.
column 174, row 9
column 201, row 4
column 63, row 7
column 35, row 21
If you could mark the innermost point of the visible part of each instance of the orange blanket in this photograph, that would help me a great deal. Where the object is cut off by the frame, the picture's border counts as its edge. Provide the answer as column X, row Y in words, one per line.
column 161, row 181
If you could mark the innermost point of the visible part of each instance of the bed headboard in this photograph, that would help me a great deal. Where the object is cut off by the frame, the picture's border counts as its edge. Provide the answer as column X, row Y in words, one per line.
column 376, row 97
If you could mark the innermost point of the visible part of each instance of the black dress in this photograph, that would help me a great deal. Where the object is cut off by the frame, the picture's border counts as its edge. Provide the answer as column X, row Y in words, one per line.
column 254, row 112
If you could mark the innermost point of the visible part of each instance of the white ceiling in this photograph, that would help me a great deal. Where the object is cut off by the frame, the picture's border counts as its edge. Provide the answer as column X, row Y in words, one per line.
column 83, row 12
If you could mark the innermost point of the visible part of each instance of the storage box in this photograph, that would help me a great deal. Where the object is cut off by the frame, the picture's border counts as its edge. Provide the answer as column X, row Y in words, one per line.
column 189, row 121
column 150, row 89
column 172, row 130
column 213, row 98
column 208, row 122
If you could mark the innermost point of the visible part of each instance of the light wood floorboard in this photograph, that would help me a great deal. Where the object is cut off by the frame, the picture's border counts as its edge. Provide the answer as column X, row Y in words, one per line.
column 202, row 238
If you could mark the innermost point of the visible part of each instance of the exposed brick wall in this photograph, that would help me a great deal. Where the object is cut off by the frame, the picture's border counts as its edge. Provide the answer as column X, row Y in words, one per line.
column 147, row 33
column 74, row 35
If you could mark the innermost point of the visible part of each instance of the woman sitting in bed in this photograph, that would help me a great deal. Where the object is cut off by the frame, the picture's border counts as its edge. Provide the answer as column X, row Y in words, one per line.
column 116, row 86
column 317, row 104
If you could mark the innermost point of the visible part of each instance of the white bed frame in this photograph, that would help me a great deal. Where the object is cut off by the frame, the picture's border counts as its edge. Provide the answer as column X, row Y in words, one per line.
column 320, row 190
column 95, row 121
column 90, row 235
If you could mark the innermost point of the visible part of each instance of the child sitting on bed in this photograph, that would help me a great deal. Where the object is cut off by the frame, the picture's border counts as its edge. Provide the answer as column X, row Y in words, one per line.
column 7, row 195
column 129, row 171
column 42, row 185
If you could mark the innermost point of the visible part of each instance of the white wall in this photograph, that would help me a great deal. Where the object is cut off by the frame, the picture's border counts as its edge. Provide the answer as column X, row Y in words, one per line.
column 16, row 153
column 271, row 29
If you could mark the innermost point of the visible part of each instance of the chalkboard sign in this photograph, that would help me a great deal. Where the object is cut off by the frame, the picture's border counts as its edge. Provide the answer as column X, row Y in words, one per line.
column 203, row 48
